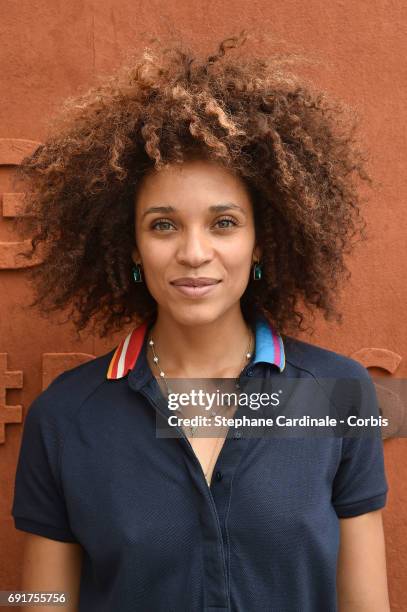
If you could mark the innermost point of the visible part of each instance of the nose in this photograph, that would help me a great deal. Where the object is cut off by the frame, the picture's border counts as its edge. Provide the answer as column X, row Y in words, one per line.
column 194, row 248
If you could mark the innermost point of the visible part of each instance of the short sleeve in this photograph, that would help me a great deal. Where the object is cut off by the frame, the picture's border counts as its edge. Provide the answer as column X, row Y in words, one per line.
column 360, row 483
column 38, row 504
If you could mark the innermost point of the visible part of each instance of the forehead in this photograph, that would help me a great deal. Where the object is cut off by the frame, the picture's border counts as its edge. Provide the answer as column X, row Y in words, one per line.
column 194, row 181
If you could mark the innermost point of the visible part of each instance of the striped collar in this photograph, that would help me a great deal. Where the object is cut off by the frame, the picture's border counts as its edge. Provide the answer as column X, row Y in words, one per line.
column 269, row 348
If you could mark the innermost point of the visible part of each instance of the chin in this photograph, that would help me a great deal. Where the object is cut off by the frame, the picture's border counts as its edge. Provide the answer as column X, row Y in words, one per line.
column 195, row 314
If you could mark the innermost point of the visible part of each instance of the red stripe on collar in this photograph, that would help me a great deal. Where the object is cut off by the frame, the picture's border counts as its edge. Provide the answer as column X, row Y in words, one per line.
column 127, row 352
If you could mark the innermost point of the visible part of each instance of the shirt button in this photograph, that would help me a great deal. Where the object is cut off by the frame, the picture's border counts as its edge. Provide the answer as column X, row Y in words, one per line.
column 237, row 434
column 219, row 476
column 249, row 372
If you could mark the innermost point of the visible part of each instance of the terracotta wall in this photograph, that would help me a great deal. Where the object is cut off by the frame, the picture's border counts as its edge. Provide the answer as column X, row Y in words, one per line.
column 52, row 49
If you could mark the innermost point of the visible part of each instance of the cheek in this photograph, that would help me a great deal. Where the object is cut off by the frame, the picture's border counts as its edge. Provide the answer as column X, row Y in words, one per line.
column 155, row 254
column 239, row 258
column 154, row 270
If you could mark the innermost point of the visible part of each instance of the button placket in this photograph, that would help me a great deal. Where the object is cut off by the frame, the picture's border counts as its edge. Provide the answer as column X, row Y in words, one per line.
column 215, row 567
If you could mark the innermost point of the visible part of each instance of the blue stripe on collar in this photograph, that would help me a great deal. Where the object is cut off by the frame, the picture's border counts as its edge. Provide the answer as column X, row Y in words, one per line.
column 269, row 346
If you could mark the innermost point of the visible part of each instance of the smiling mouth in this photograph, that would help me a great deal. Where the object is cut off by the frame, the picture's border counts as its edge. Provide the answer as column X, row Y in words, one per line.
column 195, row 291
column 195, row 282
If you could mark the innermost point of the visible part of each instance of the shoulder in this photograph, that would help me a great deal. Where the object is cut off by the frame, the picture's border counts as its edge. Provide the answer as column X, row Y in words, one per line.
column 344, row 381
column 83, row 377
column 319, row 361
column 60, row 401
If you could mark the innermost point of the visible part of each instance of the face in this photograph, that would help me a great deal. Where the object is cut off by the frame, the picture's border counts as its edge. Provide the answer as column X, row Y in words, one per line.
column 194, row 223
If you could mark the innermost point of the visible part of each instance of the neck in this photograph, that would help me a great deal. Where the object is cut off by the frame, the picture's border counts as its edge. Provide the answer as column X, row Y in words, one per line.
column 208, row 350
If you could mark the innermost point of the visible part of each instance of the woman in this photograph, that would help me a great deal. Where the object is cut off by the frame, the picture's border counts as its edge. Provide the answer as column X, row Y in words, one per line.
column 208, row 202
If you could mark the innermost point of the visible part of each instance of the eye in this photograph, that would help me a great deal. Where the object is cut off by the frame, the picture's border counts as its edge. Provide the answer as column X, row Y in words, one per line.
column 227, row 220
column 161, row 222
column 164, row 225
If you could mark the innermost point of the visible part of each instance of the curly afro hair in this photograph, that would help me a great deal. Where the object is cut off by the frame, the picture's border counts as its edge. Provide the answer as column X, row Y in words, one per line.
column 292, row 146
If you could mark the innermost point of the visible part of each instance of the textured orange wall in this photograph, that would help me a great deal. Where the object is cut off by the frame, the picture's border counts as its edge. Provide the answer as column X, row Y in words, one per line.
column 51, row 49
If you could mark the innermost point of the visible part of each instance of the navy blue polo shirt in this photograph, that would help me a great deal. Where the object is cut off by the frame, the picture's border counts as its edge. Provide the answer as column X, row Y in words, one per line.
column 156, row 538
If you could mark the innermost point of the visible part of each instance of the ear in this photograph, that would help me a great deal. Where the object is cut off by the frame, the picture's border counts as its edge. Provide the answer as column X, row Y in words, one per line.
column 135, row 255
column 257, row 254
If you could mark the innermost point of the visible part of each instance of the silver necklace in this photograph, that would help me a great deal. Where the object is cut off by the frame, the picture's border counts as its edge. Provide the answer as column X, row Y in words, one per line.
column 156, row 360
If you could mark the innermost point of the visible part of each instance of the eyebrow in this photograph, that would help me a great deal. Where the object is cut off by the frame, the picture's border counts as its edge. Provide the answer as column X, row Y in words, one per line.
column 215, row 208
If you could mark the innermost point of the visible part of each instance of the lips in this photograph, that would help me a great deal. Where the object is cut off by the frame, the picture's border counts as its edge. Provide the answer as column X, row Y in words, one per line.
column 194, row 282
column 195, row 288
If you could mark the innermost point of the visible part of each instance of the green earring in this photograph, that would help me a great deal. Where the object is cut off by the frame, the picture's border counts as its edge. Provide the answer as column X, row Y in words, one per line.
column 256, row 271
column 137, row 274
